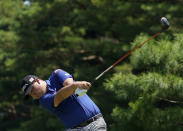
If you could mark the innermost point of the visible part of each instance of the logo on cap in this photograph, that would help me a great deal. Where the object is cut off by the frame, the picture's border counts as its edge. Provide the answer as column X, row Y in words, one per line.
column 27, row 83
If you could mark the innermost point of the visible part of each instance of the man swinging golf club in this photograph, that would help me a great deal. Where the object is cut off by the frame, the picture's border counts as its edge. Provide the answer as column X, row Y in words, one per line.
column 57, row 94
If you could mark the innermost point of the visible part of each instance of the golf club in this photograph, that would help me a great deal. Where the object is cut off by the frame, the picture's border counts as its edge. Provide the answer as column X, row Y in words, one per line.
column 165, row 26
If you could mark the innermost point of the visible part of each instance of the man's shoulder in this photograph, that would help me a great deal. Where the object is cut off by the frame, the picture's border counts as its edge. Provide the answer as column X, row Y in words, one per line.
column 61, row 74
column 53, row 75
column 56, row 71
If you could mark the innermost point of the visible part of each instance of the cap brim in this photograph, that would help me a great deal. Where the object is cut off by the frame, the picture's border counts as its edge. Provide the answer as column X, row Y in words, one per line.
column 28, row 90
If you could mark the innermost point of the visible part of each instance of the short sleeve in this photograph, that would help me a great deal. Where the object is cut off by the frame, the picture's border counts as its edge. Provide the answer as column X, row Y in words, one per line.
column 62, row 75
column 47, row 101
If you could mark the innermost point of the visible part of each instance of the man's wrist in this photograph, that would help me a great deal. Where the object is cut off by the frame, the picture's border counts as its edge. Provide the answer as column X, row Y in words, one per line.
column 74, row 85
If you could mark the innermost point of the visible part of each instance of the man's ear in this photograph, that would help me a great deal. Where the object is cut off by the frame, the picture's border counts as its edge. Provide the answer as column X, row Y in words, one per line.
column 37, row 80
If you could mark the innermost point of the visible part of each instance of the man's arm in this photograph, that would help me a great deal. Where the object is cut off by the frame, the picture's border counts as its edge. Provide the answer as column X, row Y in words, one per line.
column 68, row 89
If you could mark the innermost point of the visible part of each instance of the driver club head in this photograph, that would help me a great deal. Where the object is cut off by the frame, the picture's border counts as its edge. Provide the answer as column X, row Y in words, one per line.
column 165, row 23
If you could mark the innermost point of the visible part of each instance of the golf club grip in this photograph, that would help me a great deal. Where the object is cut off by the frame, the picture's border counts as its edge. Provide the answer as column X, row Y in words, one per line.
column 92, row 82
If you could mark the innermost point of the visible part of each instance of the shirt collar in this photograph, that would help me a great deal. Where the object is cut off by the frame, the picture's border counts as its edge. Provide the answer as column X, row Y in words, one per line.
column 49, row 86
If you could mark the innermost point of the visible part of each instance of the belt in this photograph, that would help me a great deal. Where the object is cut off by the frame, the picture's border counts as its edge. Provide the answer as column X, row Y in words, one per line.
column 94, row 118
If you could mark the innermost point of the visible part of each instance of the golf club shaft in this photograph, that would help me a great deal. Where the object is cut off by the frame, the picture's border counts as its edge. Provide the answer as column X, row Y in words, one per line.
column 123, row 57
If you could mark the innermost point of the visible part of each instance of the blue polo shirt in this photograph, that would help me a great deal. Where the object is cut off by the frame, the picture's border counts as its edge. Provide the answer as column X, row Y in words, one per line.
column 73, row 110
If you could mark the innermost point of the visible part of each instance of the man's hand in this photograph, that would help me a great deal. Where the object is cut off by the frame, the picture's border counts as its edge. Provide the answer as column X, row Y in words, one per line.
column 68, row 89
column 82, row 85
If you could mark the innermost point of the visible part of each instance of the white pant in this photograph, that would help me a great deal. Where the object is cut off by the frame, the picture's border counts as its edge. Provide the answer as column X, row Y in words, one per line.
column 97, row 125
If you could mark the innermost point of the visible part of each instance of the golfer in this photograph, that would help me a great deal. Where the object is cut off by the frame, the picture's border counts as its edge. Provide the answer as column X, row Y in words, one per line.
column 77, row 113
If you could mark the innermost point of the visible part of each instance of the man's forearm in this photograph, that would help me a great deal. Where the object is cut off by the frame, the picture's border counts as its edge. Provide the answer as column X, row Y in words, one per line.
column 64, row 93
column 69, row 89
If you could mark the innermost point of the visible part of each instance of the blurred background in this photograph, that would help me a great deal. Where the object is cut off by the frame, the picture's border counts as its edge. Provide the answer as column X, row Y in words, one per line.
column 84, row 37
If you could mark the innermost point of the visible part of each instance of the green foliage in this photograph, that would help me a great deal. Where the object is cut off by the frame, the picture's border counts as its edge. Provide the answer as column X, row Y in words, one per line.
column 41, row 120
column 146, row 108
column 163, row 55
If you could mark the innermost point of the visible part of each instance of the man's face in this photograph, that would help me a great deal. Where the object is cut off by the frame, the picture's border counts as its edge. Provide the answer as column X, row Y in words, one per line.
column 37, row 89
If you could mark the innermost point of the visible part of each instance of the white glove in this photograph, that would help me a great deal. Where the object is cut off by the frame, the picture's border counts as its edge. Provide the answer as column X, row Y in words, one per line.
column 80, row 92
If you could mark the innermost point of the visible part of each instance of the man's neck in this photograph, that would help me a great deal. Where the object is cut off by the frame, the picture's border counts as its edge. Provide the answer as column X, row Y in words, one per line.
column 45, row 87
